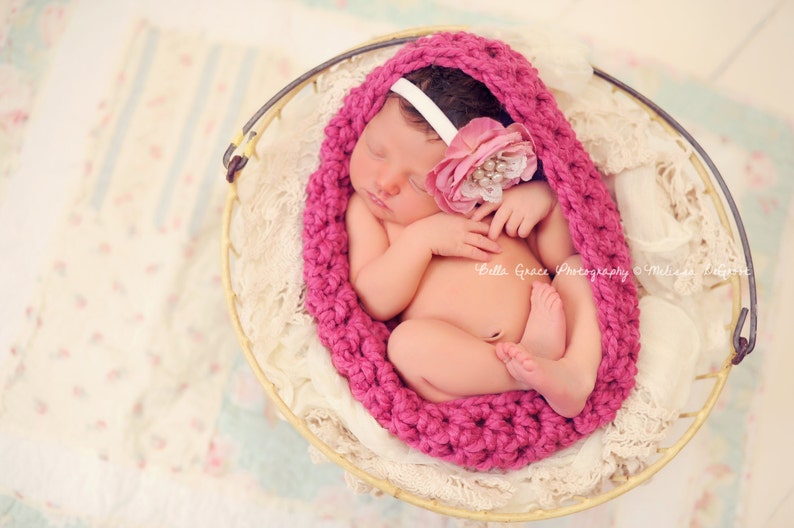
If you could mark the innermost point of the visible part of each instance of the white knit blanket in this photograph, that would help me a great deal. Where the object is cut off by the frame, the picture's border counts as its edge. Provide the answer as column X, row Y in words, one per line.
column 677, row 244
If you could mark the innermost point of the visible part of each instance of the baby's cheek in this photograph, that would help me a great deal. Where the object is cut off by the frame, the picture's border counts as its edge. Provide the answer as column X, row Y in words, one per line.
column 355, row 167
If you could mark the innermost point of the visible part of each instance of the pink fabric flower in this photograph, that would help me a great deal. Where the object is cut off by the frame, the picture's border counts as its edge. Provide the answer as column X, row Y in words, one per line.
column 484, row 158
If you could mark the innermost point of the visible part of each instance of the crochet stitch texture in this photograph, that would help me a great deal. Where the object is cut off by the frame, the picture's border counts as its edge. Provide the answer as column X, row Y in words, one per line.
column 502, row 431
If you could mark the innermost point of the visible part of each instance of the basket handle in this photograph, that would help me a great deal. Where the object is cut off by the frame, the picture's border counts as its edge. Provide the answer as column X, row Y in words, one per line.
column 234, row 163
column 742, row 345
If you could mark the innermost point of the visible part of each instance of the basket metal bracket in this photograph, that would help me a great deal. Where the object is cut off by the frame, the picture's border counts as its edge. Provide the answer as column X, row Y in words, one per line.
column 236, row 163
column 742, row 345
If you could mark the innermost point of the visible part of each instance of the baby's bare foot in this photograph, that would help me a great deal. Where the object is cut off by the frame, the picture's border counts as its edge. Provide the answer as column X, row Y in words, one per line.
column 544, row 334
column 553, row 379
column 519, row 363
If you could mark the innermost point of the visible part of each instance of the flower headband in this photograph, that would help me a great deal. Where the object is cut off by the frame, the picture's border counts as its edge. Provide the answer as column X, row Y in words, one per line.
column 482, row 158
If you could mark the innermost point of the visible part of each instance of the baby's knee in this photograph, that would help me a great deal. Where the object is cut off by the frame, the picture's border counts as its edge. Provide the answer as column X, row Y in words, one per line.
column 401, row 347
column 573, row 262
column 407, row 354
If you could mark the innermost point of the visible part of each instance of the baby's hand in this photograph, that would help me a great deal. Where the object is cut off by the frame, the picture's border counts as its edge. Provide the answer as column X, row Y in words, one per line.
column 452, row 235
column 521, row 208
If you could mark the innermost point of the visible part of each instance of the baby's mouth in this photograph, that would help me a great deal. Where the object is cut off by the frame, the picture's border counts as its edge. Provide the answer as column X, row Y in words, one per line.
column 377, row 201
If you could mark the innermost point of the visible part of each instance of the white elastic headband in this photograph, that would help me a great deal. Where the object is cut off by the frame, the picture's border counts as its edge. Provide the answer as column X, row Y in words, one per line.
column 425, row 106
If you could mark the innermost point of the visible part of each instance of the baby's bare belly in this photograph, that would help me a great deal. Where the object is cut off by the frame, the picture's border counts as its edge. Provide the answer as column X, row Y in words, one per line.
column 485, row 299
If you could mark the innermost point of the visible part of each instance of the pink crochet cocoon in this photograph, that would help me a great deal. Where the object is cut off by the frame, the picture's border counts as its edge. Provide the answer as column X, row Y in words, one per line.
column 504, row 431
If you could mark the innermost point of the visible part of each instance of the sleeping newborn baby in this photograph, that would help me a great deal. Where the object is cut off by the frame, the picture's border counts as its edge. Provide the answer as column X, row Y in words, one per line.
column 453, row 231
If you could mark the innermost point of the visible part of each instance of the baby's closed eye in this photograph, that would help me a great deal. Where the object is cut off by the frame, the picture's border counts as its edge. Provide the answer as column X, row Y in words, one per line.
column 418, row 184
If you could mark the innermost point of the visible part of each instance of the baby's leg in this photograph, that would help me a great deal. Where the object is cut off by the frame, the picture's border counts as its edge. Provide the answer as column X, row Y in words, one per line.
column 544, row 333
column 567, row 382
column 442, row 362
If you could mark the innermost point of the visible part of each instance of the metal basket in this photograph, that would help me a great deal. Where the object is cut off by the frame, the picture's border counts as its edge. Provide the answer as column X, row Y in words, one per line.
column 710, row 383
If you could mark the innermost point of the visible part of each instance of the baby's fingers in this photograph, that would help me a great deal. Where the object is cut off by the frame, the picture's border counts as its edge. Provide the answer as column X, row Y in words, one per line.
column 482, row 246
column 498, row 223
column 484, row 210
column 513, row 225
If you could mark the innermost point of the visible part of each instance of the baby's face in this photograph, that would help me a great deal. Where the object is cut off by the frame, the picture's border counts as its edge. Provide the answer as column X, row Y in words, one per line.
column 389, row 164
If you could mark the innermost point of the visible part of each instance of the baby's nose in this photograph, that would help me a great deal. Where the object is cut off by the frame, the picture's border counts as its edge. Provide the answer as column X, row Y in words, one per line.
column 389, row 182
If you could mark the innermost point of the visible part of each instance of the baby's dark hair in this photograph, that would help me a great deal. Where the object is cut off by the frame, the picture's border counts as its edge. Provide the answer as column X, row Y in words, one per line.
column 461, row 97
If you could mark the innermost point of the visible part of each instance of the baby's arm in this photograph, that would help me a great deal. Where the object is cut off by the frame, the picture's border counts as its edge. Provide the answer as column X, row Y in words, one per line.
column 384, row 277
column 385, row 274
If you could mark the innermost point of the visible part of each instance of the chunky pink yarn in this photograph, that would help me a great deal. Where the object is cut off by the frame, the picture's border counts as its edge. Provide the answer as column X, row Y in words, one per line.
column 504, row 431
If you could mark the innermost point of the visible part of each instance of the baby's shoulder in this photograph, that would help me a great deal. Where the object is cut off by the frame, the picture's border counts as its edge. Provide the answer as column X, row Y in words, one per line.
column 359, row 219
column 356, row 208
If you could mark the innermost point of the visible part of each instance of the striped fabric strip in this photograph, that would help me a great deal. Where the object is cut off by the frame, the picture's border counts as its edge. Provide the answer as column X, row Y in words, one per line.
column 117, row 142
column 178, row 100
column 183, row 150
column 223, row 133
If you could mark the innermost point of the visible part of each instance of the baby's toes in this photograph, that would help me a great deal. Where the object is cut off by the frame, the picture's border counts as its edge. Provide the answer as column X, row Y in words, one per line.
column 528, row 363
column 502, row 353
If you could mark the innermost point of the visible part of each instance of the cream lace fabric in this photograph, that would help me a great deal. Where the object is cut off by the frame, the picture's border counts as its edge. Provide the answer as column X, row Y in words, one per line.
column 676, row 243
